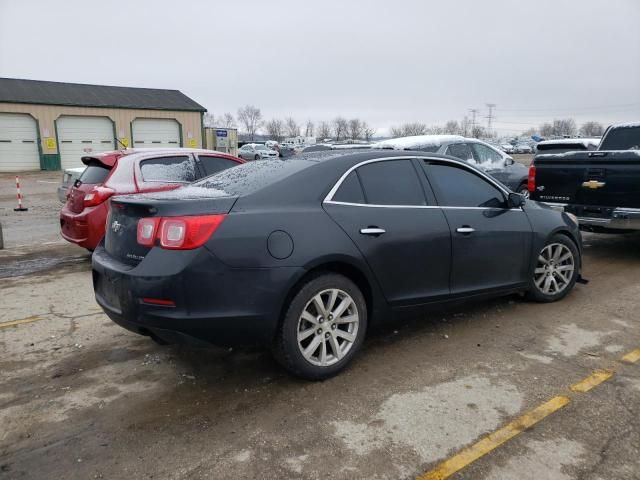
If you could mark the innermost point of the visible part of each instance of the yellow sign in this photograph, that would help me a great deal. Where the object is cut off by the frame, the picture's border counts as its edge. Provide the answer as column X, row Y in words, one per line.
column 124, row 142
column 593, row 184
column 50, row 142
column 192, row 143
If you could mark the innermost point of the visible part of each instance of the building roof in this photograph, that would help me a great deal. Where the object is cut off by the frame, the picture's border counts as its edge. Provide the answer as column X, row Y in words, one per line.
column 14, row 90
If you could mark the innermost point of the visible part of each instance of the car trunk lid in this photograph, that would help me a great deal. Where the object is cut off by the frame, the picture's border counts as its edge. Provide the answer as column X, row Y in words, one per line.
column 122, row 222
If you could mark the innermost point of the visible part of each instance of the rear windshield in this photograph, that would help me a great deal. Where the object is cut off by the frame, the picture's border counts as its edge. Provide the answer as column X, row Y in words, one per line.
column 622, row 138
column 95, row 173
column 252, row 176
column 561, row 147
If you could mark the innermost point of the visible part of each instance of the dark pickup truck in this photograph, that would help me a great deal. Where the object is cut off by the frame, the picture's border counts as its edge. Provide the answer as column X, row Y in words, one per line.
column 601, row 187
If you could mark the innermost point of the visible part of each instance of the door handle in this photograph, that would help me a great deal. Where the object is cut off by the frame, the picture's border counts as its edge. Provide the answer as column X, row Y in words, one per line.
column 465, row 230
column 372, row 231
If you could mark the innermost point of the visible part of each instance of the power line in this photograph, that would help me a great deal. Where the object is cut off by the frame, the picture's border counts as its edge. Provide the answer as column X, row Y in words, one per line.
column 490, row 117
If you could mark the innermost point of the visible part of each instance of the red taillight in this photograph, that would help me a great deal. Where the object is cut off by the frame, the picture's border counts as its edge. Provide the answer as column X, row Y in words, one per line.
column 178, row 233
column 147, row 228
column 531, row 181
column 97, row 196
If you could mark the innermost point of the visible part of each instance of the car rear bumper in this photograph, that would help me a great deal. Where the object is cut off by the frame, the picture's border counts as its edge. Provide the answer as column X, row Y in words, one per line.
column 212, row 302
column 86, row 228
column 608, row 218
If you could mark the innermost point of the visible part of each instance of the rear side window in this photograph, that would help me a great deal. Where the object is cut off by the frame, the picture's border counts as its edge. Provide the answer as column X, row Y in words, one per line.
column 95, row 173
column 350, row 190
column 178, row 169
column 461, row 151
column 393, row 182
column 212, row 165
column 458, row 187
column 622, row 138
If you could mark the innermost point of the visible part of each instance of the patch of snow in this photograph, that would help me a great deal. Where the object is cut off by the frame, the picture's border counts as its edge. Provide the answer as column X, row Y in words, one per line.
column 572, row 141
column 418, row 141
column 187, row 192
column 626, row 125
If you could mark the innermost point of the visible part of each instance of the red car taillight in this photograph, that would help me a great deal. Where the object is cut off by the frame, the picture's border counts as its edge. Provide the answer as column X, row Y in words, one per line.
column 531, row 181
column 178, row 233
column 97, row 196
column 147, row 228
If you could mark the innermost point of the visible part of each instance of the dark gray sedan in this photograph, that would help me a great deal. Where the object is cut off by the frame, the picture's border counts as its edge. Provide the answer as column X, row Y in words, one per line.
column 305, row 255
column 496, row 163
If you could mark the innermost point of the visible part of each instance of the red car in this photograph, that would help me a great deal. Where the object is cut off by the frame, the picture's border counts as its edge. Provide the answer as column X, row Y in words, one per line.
column 83, row 217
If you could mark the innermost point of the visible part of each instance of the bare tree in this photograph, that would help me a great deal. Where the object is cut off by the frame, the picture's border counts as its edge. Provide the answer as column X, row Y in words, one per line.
column 355, row 129
column 452, row 127
column 340, row 128
column 435, row 130
column 465, row 127
column 591, row 129
column 309, row 129
column 291, row 127
column 565, row 126
column 411, row 129
column 367, row 131
column 275, row 129
column 228, row 120
column 324, row 130
column 396, row 132
column 208, row 120
column 250, row 118
column 546, row 129
column 478, row 132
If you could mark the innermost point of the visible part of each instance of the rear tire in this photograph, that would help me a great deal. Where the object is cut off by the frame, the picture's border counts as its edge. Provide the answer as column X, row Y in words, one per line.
column 524, row 191
column 323, row 327
column 555, row 271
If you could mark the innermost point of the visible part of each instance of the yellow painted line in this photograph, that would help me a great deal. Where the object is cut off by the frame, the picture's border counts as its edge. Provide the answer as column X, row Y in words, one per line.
column 632, row 357
column 13, row 323
column 593, row 380
column 495, row 439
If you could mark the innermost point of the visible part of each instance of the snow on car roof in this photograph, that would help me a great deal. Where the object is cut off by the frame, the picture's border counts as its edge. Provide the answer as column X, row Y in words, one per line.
column 572, row 141
column 417, row 141
column 626, row 125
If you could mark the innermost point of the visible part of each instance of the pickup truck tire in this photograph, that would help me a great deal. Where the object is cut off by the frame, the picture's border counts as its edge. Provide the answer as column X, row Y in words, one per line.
column 555, row 270
column 523, row 190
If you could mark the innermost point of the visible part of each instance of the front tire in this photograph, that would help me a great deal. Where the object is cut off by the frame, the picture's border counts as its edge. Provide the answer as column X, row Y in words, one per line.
column 323, row 327
column 556, row 270
column 257, row 157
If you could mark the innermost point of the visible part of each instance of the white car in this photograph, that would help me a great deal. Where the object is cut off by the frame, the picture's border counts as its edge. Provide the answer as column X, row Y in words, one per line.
column 256, row 151
column 507, row 148
column 523, row 148
column 69, row 176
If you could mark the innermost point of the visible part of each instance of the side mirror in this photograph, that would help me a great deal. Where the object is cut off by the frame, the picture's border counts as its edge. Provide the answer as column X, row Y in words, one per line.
column 516, row 200
column 509, row 161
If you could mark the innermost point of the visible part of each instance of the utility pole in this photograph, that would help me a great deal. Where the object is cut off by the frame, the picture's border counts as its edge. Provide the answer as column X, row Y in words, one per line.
column 474, row 112
column 489, row 117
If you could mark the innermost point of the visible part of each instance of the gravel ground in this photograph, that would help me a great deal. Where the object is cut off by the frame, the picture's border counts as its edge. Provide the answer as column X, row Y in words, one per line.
column 82, row 398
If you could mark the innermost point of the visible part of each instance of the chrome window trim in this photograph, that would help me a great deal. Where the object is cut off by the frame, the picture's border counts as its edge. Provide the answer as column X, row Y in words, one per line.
column 329, row 197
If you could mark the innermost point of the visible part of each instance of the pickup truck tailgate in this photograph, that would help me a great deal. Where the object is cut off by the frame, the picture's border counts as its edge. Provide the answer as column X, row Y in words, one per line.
column 599, row 179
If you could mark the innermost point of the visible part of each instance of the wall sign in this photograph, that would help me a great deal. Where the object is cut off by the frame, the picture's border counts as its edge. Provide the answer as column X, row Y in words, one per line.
column 50, row 142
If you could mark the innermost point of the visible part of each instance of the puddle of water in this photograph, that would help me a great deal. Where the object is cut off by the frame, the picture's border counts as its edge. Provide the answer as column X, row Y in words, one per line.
column 35, row 265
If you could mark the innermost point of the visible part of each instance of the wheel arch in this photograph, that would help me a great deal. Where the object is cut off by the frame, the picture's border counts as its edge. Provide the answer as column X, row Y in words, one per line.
column 343, row 266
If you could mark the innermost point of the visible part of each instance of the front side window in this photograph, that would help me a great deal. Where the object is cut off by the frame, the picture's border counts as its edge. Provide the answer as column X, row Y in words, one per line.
column 461, row 151
column 168, row 169
column 458, row 187
column 391, row 182
column 485, row 155
column 213, row 165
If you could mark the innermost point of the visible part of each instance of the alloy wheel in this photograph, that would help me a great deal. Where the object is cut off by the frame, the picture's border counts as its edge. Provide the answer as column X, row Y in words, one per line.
column 554, row 269
column 328, row 327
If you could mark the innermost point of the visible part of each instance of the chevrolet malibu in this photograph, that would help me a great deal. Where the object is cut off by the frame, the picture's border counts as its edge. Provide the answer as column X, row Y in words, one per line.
column 306, row 255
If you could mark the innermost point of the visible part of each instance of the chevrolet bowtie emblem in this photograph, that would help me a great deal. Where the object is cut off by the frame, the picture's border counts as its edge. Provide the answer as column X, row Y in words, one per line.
column 593, row 184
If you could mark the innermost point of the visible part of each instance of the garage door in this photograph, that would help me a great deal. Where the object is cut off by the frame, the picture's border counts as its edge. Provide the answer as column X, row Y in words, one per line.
column 80, row 136
column 151, row 132
column 18, row 143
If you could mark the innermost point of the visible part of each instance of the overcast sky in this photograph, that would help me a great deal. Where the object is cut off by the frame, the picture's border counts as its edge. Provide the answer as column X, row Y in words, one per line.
column 387, row 61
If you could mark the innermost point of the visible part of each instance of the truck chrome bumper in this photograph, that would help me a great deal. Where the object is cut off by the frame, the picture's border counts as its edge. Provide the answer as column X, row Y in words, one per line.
column 621, row 219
